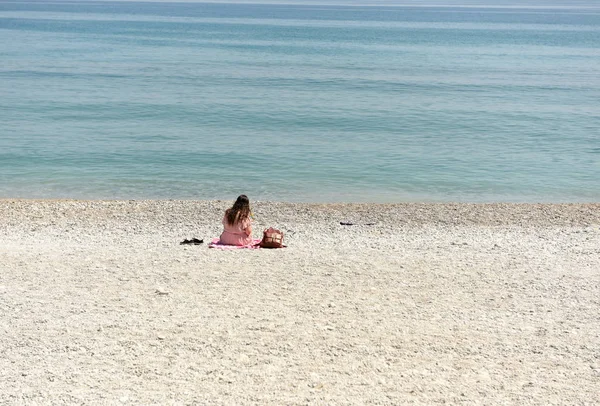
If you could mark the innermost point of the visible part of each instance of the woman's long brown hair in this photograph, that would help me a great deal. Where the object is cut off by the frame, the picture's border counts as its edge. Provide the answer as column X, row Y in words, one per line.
column 239, row 211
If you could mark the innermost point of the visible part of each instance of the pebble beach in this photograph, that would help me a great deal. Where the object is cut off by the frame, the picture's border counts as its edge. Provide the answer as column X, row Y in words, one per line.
column 410, row 304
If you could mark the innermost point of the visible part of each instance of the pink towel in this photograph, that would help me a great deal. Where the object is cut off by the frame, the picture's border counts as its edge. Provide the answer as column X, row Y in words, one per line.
column 215, row 243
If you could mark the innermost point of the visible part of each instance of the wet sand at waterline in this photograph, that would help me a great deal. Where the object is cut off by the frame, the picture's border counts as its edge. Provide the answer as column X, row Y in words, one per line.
column 431, row 303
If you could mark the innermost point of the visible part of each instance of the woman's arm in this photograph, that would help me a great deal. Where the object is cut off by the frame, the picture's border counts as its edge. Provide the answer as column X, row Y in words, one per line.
column 248, row 228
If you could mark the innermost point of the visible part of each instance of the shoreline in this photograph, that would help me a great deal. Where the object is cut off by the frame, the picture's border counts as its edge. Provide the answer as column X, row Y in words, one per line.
column 538, row 214
column 432, row 303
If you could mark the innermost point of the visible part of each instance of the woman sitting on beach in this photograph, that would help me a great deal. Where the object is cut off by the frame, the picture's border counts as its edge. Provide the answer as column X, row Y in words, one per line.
column 237, row 226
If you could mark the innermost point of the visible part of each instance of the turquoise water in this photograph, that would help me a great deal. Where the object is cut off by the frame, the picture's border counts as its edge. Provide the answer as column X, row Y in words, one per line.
column 300, row 102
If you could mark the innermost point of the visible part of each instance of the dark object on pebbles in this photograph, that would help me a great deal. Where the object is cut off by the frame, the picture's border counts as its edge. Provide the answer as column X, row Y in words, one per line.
column 344, row 223
column 193, row 241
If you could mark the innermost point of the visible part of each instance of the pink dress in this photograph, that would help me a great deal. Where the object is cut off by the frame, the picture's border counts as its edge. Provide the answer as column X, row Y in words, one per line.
column 235, row 234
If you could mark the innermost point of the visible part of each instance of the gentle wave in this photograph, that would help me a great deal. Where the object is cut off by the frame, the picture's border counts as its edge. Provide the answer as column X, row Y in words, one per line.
column 344, row 24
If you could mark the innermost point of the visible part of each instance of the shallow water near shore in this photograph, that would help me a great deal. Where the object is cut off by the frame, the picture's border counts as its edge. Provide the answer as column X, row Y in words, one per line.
column 299, row 103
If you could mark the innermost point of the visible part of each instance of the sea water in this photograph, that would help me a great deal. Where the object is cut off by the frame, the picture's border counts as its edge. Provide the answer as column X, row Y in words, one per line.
column 413, row 101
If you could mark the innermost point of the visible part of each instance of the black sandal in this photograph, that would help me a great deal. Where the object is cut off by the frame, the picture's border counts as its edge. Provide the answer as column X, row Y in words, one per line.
column 193, row 241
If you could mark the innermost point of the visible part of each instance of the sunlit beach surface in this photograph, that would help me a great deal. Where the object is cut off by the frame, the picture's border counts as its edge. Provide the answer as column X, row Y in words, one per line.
column 412, row 304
